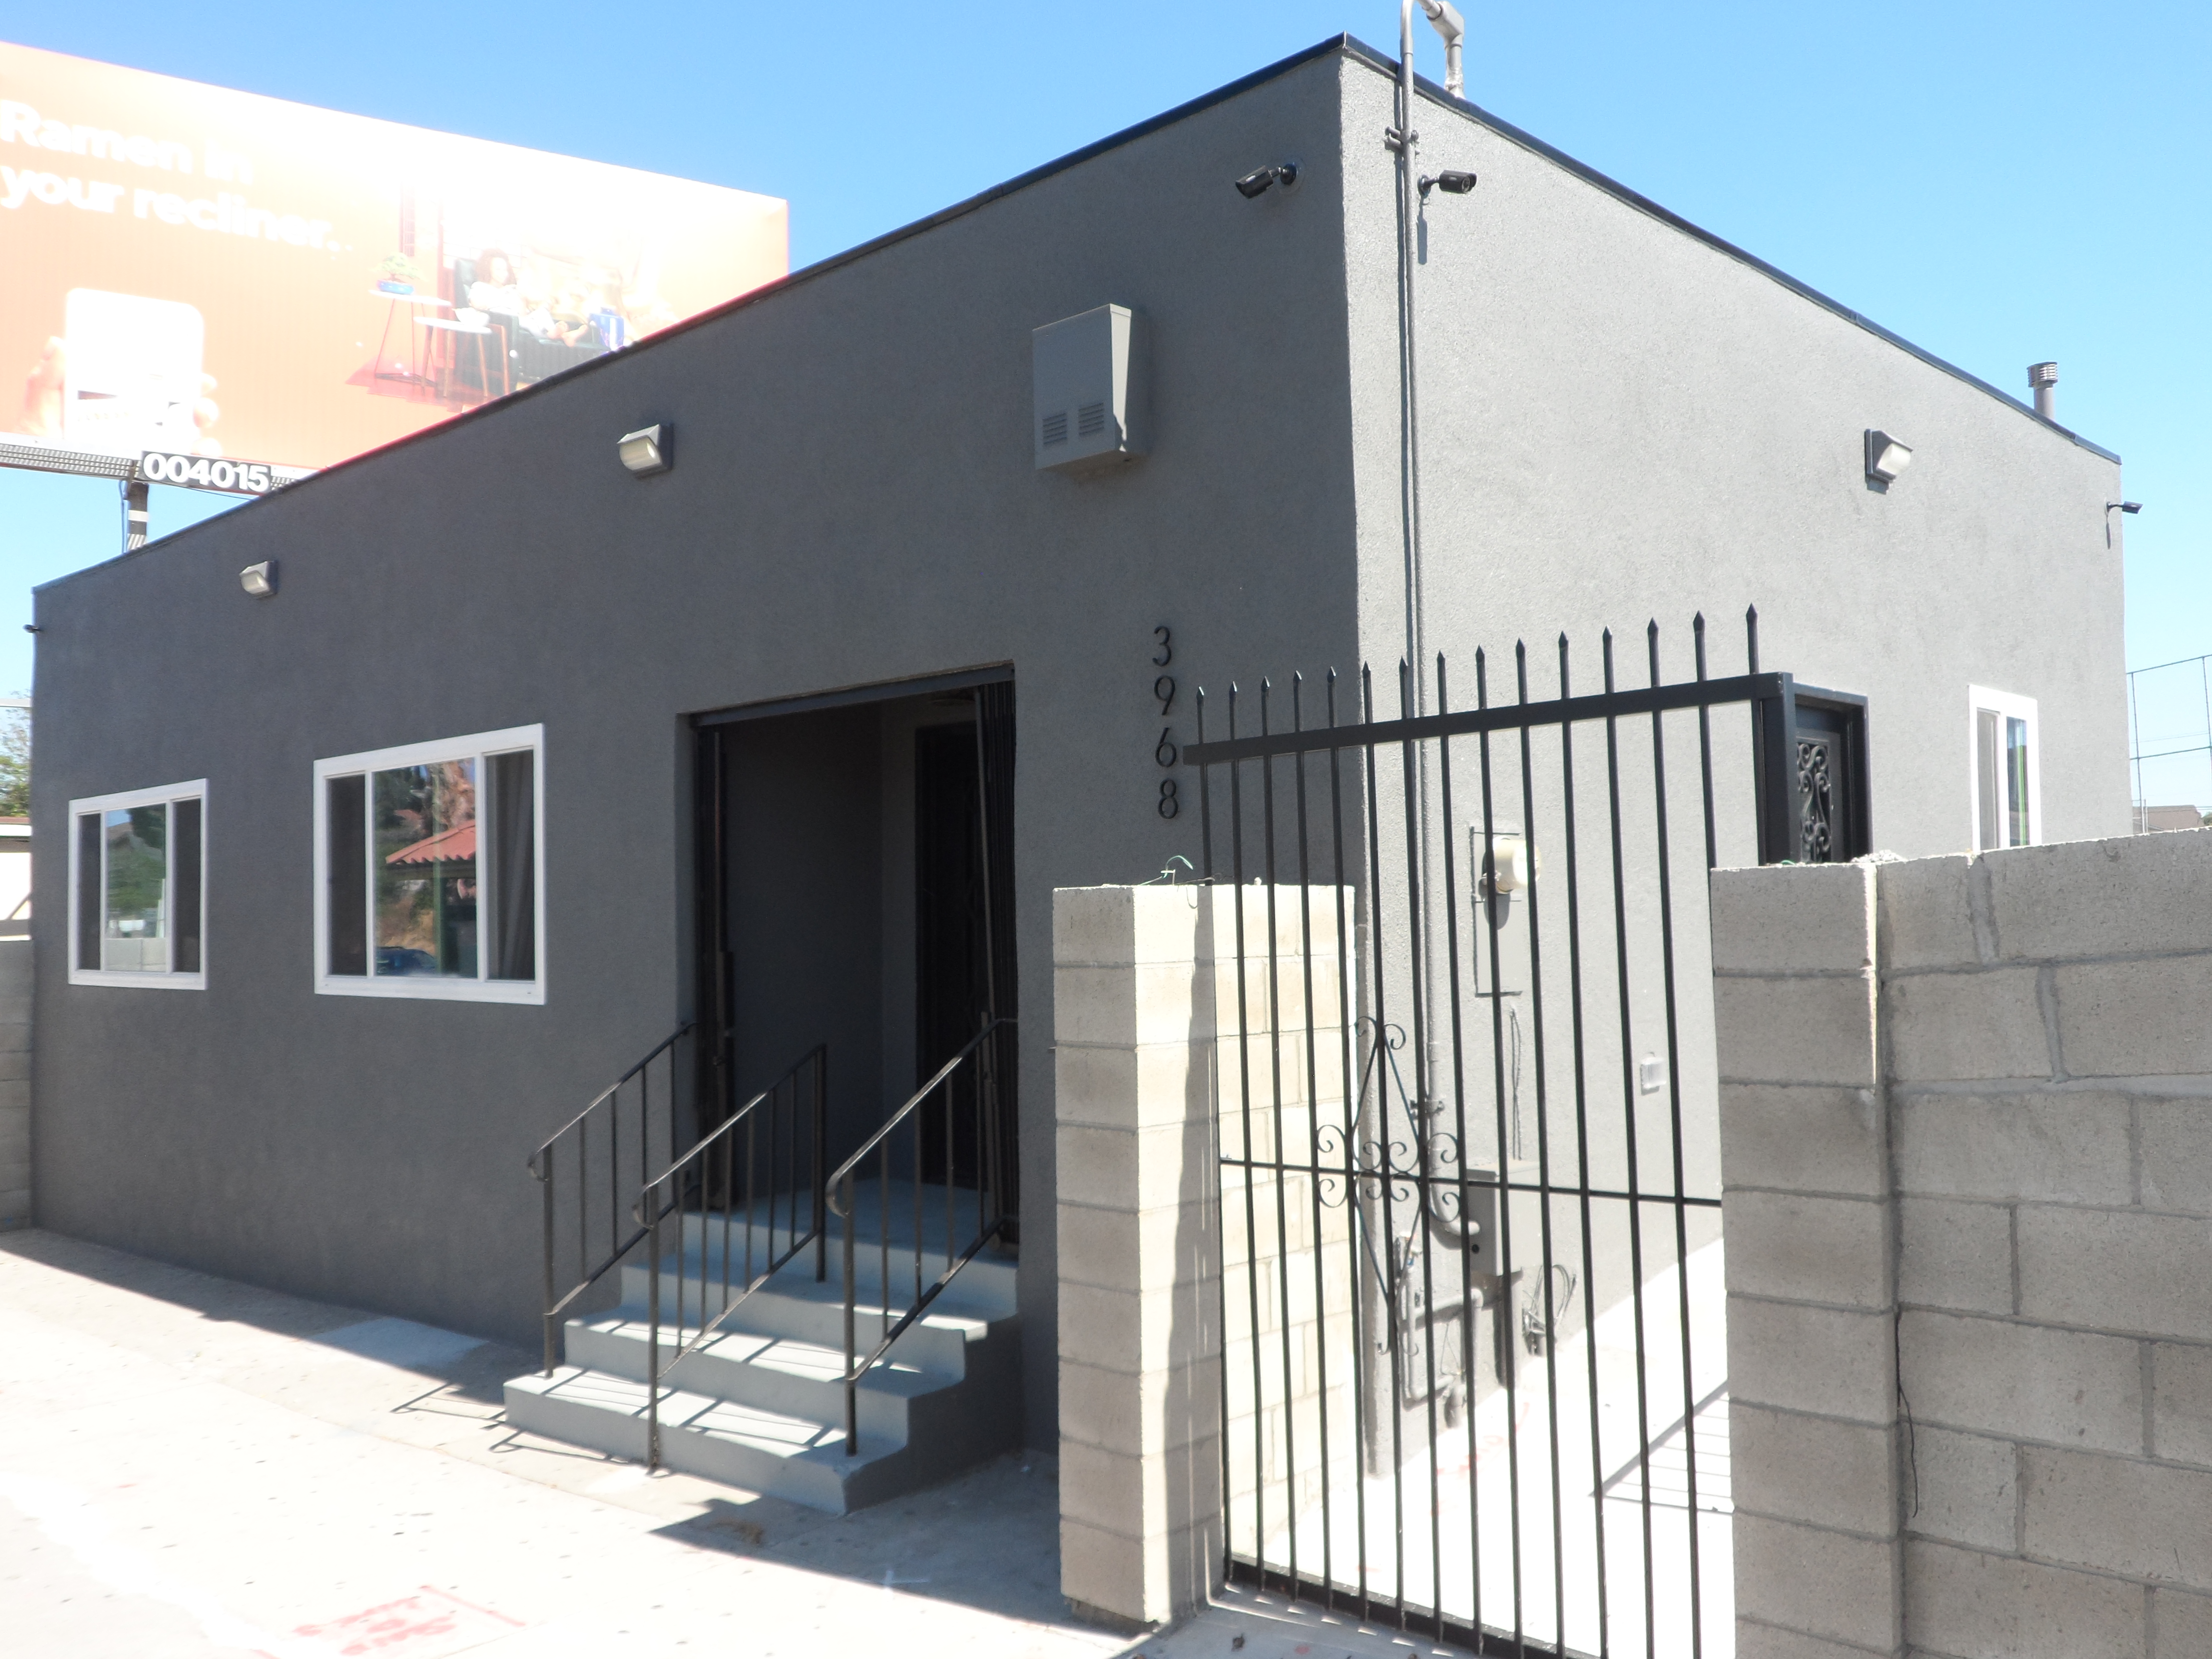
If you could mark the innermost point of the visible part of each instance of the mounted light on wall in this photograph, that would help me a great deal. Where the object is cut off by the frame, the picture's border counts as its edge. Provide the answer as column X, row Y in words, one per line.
column 1260, row 181
column 259, row 580
column 647, row 450
column 2128, row 507
column 1505, row 864
column 1452, row 184
column 1886, row 459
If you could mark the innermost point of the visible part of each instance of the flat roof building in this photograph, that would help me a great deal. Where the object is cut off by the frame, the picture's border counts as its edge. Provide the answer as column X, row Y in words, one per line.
column 530, row 759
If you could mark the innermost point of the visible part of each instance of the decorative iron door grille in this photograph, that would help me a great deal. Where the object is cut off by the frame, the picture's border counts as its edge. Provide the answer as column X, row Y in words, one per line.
column 1474, row 1363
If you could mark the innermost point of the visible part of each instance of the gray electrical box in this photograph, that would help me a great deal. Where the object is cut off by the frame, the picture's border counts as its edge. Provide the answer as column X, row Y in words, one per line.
column 1089, row 383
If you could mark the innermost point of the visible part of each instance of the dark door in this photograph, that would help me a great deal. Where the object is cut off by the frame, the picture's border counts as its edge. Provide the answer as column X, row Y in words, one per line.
column 953, row 973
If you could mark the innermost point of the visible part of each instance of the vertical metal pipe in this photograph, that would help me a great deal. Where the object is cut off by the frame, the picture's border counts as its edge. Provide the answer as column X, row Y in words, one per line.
column 546, row 1193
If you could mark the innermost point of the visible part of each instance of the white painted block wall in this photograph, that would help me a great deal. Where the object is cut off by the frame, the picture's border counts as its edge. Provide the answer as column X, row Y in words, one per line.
column 1967, row 1147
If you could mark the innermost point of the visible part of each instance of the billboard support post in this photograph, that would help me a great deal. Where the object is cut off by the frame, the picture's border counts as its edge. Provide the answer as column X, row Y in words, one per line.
column 134, row 513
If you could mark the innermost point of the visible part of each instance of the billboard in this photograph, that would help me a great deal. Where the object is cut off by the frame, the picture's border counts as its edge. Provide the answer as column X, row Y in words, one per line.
column 196, row 272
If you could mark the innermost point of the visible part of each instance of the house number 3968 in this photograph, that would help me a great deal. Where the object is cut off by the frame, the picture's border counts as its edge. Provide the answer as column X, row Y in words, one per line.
column 1164, row 690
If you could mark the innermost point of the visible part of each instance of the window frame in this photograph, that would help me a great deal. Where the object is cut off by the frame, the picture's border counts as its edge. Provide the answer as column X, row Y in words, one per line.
column 2005, row 705
column 478, row 746
column 163, row 795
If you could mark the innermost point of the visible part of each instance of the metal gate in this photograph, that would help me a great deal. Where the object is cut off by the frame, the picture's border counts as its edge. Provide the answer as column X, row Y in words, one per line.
column 1474, row 1366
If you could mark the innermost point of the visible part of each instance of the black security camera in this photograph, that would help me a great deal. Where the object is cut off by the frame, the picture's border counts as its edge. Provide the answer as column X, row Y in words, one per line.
column 1452, row 184
column 1260, row 182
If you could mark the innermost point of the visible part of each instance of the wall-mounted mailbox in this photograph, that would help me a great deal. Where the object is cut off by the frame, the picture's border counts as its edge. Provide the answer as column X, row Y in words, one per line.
column 1089, row 377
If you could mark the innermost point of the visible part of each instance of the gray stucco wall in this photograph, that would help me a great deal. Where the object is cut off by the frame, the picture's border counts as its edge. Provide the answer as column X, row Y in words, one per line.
column 853, row 501
column 1620, row 422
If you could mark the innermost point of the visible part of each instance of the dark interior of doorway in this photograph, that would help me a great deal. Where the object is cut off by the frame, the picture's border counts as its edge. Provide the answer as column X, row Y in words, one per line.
column 812, row 820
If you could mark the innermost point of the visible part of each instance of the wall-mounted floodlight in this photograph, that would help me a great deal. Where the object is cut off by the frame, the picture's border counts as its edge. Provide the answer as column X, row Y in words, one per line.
column 259, row 580
column 647, row 450
column 1886, row 459
column 2124, row 506
column 1262, row 179
column 1507, row 865
column 1452, row 184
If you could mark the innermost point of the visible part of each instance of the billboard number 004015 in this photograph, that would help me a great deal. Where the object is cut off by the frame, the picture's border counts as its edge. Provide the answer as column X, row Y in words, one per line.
column 200, row 472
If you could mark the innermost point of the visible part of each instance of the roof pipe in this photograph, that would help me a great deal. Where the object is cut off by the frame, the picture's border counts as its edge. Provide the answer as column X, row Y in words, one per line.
column 1444, row 18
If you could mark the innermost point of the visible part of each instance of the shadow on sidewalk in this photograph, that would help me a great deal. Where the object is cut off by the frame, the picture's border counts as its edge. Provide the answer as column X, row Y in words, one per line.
column 467, row 1365
column 987, row 1540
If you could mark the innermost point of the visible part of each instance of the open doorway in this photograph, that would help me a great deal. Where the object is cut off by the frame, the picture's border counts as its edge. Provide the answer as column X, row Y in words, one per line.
column 855, row 884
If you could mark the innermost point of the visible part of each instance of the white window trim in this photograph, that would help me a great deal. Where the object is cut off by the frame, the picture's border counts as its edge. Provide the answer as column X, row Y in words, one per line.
column 2008, row 705
column 424, row 988
column 104, row 805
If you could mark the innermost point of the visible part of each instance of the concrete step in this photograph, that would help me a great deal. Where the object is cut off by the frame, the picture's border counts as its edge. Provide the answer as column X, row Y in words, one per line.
column 721, row 1243
column 746, row 1446
column 761, row 1403
column 779, row 1374
column 794, row 1304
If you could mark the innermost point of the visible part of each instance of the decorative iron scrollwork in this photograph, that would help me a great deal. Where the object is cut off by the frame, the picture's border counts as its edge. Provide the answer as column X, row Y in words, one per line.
column 1816, row 803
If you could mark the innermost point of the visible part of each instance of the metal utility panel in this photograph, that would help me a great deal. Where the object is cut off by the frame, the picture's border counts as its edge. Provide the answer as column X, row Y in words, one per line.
column 1089, row 375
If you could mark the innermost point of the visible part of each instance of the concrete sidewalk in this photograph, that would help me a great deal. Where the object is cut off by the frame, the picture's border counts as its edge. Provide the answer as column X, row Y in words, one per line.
column 192, row 1468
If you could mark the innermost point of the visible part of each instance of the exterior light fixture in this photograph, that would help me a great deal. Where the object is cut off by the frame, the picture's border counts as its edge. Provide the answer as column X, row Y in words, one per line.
column 646, row 451
column 1506, row 866
column 1260, row 181
column 259, row 580
column 1886, row 459
column 2124, row 506
column 1452, row 184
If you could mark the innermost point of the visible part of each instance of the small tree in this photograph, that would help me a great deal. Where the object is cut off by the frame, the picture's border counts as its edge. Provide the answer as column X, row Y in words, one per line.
column 16, row 762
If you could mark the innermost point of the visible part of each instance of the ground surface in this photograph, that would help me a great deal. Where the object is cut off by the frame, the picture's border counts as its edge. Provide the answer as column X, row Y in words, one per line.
column 193, row 1468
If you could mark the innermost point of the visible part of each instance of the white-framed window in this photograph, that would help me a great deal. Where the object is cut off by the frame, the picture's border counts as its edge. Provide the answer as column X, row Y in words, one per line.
column 2006, row 791
column 428, row 861
column 138, row 888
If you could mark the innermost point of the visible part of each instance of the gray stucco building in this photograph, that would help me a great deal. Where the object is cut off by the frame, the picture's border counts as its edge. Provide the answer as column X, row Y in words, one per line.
column 1619, row 418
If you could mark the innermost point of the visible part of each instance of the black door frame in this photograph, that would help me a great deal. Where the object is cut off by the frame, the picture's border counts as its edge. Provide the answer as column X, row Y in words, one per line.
column 1782, row 727
column 713, row 958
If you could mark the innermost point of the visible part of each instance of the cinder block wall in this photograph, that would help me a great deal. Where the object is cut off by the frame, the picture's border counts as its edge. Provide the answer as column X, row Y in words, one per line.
column 1970, row 1278
column 14, row 1083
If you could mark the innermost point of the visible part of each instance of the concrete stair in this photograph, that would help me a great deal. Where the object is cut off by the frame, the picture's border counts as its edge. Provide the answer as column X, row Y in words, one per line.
column 762, row 1404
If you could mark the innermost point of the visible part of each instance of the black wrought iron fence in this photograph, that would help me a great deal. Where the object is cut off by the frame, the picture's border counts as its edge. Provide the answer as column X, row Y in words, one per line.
column 1474, row 1367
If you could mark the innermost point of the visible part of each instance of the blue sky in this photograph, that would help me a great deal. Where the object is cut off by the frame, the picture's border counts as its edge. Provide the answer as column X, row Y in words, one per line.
column 1999, row 183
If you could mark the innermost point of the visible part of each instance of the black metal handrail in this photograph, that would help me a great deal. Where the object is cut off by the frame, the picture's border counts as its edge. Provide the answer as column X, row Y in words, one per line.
column 579, row 1133
column 705, row 1182
column 991, row 1216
